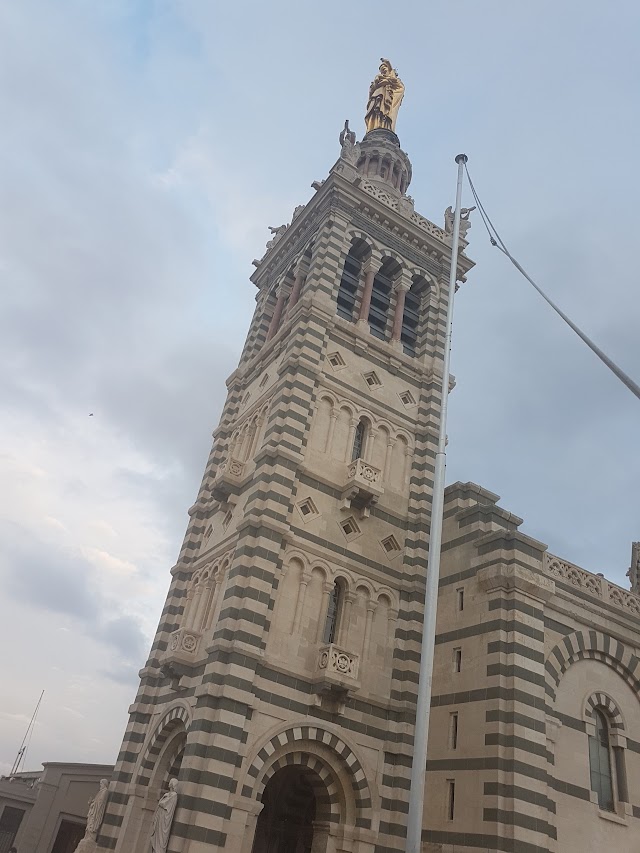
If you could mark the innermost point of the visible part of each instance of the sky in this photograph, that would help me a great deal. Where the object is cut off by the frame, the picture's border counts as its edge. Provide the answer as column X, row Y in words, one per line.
column 146, row 147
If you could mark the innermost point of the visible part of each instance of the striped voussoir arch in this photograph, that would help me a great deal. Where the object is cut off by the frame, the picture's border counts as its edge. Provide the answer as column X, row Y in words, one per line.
column 325, row 787
column 166, row 726
column 605, row 703
column 257, row 779
column 591, row 645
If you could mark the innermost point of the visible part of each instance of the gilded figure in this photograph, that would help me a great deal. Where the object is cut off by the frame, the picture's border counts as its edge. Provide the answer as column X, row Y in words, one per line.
column 385, row 96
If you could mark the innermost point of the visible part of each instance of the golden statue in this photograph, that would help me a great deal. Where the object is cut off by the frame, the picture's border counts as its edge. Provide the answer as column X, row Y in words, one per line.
column 385, row 96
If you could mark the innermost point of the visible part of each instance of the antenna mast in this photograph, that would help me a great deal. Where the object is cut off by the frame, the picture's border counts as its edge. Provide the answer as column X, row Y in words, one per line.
column 25, row 740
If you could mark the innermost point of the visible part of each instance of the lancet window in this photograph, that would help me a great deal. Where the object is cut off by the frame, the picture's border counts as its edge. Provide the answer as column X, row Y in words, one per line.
column 333, row 613
column 600, row 763
column 359, row 439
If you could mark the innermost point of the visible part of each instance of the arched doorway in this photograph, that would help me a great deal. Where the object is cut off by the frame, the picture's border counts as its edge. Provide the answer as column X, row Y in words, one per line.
column 291, row 801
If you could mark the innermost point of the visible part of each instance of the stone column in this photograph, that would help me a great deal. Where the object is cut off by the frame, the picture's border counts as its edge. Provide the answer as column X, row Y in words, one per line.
column 401, row 287
column 245, row 443
column 369, row 442
column 345, row 618
column 300, row 275
column 371, row 608
column 370, row 268
column 321, row 838
column 302, row 592
column 387, row 458
column 195, row 607
column 257, row 429
column 352, row 435
column 242, row 823
column 332, row 425
column 274, row 325
column 203, row 602
column 187, row 613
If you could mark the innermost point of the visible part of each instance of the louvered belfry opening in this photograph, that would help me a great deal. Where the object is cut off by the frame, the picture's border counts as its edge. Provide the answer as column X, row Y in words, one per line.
column 351, row 280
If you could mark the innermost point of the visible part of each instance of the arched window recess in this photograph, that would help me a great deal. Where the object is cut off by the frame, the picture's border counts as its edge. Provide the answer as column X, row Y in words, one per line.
column 350, row 281
column 359, row 440
column 412, row 318
column 381, row 298
column 332, row 618
column 607, row 765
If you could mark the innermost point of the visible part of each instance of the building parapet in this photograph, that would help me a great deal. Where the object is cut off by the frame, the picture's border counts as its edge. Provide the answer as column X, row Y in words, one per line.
column 593, row 585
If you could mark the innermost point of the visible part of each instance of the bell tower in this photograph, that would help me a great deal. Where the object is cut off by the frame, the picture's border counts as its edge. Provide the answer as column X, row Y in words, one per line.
column 281, row 685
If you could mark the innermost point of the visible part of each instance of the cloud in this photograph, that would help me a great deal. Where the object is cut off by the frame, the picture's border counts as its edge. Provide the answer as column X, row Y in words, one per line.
column 45, row 576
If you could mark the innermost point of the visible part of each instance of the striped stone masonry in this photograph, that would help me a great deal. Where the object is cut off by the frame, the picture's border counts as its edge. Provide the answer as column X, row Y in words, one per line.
column 251, row 684
column 528, row 648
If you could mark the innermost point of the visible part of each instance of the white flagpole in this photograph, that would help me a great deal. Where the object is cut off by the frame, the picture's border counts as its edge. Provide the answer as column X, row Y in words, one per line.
column 423, row 708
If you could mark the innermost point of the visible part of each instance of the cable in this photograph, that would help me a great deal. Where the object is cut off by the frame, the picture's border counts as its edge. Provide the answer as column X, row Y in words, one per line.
column 497, row 241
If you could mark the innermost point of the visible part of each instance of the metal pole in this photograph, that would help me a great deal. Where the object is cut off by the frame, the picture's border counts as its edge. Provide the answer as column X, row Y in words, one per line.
column 423, row 708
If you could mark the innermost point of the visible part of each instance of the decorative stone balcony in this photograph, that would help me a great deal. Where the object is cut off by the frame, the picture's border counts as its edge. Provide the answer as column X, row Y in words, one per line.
column 337, row 669
column 183, row 648
column 228, row 477
column 363, row 486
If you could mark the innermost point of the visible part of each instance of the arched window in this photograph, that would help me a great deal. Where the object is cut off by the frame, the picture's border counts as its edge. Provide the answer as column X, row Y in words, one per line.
column 381, row 298
column 411, row 318
column 350, row 281
column 359, row 440
column 600, row 763
column 333, row 612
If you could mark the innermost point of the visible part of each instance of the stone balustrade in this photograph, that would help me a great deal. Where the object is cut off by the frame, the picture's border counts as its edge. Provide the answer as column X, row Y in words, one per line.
column 338, row 668
column 594, row 585
column 363, row 486
column 228, row 476
column 359, row 469
column 183, row 646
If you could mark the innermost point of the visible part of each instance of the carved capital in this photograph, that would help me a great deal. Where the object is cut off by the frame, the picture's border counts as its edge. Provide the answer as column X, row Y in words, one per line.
column 373, row 262
column 403, row 282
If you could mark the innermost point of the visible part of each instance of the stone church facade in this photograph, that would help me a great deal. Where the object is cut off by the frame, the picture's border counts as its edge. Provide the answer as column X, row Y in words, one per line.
column 281, row 686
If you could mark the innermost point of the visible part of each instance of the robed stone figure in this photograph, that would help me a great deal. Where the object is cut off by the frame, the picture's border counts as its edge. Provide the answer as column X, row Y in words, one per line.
column 95, row 816
column 163, row 818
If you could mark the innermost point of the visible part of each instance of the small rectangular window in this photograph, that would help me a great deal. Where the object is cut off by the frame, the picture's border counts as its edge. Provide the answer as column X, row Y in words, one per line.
column 453, row 730
column 460, row 599
column 457, row 660
column 451, row 799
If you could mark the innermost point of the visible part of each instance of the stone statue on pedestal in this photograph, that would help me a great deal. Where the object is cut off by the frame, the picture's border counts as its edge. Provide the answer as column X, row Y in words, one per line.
column 94, row 818
column 465, row 224
column 277, row 234
column 163, row 818
column 349, row 148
